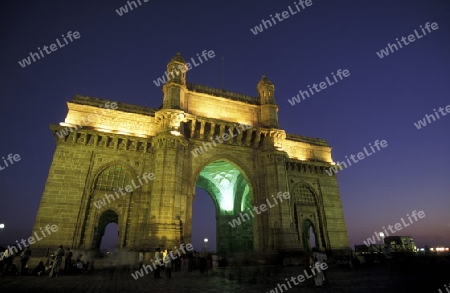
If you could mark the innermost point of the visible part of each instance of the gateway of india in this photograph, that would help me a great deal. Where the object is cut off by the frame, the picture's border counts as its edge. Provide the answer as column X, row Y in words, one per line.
column 174, row 143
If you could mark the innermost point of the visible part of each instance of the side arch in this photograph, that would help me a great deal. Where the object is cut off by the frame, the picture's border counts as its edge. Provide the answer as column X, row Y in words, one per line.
column 307, row 212
column 105, row 180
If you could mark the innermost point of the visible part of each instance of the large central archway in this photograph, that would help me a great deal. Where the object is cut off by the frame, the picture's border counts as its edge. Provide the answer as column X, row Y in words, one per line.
column 232, row 196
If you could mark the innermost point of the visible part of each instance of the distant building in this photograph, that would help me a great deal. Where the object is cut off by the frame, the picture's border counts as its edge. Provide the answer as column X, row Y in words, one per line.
column 401, row 243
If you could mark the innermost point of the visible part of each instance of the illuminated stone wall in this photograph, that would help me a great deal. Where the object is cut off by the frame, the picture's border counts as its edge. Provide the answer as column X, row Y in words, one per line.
column 261, row 160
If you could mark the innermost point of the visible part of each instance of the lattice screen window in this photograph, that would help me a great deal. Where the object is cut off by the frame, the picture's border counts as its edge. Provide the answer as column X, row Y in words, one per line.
column 303, row 195
column 113, row 178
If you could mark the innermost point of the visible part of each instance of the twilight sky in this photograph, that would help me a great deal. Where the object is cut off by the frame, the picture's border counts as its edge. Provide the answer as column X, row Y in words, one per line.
column 118, row 57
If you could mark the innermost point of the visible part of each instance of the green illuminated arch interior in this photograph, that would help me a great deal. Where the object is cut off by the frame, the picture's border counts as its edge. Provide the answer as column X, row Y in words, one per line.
column 231, row 194
column 227, row 186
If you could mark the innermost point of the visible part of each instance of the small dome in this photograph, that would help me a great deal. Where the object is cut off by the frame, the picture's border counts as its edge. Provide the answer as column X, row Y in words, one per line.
column 177, row 58
column 265, row 80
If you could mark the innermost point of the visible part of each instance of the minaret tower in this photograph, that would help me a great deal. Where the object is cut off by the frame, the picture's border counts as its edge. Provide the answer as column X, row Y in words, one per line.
column 175, row 87
column 269, row 109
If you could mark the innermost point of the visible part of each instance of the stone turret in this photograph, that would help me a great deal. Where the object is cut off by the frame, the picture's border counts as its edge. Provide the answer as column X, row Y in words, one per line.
column 175, row 87
column 269, row 109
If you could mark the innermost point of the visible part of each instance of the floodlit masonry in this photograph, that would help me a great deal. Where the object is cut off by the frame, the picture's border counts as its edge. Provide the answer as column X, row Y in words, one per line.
column 30, row 240
column 204, row 147
column 244, row 216
column 423, row 123
column 300, row 278
column 140, row 273
column 341, row 165
column 284, row 14
column 66, row 130
column 322, row 85
column 397, row 227
column 411, row 38
column 128, row 189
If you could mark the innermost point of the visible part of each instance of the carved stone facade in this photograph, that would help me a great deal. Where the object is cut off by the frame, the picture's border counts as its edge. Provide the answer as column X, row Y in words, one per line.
column 115, row 147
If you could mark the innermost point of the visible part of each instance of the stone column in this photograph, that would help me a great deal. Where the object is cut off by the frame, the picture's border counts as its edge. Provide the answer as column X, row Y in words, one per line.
column 248, row 137
column 231, row 134
column 169, row 156
column 193, row 123
column 222, row 130
column 202, row 129
column 211, row 131
column 278, row 218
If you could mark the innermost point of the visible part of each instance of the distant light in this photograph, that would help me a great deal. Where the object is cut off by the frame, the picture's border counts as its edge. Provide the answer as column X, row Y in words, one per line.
column 2, row 226
column 381, row 234
column 206, row 240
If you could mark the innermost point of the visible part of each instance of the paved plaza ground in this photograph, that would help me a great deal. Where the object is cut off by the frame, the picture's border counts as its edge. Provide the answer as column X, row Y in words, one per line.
column 374, row 279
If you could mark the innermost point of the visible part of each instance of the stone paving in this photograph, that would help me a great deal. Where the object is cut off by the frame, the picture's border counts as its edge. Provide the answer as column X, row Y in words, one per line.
column 341, row 280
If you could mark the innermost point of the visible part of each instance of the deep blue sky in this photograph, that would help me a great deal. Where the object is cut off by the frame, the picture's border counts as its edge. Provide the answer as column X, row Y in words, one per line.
column 118, row 57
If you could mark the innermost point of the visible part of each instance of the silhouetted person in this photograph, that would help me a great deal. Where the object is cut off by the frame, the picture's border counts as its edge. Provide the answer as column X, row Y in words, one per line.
column 23, row 261
column 215, row 263
column 141, row 258
column 57, row 260
column 168, row 265
column 68, row 262
column 321, row 258
column 39, row 270
column 158, row 260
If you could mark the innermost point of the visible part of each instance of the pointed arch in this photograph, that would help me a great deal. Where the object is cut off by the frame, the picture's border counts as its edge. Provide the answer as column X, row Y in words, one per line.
column 231, row 191
column 303, row 194
column 307, row 213
column 112, row 178
column 106, row 180
column 106, row 217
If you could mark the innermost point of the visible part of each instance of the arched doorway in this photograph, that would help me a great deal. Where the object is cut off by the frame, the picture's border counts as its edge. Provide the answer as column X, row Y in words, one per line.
column 306, row 216
column 231, row 194
column 104, row 205
column 309, row 235
column 107, row 217
column 110, row 239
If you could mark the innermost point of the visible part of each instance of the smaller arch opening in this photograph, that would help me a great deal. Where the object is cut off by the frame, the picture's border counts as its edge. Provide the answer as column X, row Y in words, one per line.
column 106, row 218
column 110, row 240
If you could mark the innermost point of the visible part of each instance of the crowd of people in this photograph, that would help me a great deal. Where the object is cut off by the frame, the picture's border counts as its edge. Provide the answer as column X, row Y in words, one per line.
column 188, row 262
column 7, row 265
column 59, row 262
column 62, row 262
